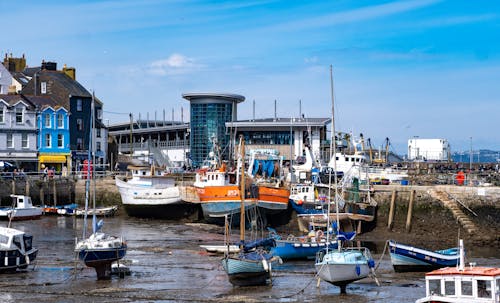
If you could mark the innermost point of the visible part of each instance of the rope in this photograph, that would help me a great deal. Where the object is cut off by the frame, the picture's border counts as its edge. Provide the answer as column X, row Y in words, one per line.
column 382, row 256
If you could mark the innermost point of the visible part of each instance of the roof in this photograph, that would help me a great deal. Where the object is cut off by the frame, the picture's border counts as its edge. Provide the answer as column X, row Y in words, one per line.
column 59, row 86
column 21, row 78
column 43, row 101
column 468, row 271
column 13, row 99
column 207, row 95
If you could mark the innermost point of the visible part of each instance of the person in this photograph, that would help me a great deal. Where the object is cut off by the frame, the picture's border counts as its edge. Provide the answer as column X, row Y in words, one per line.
column 64, row 171
column 45, row 171
column 117, row 166
column 51, row 172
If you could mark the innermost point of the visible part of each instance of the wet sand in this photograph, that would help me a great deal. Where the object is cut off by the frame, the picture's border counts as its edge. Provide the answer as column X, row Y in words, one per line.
column 168, row 265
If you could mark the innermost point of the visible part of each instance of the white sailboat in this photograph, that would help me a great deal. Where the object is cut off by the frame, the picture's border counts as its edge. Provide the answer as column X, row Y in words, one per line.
column 343, row 265
column 98, row 250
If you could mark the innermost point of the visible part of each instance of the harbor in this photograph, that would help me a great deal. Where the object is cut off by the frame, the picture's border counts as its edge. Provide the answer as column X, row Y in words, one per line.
column 167, row 265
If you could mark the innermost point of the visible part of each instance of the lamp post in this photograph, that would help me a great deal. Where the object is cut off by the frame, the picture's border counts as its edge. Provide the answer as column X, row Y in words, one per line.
column 470, row 155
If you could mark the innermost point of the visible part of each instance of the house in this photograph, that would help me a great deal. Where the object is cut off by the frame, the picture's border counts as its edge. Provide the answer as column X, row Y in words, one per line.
column 53, row 133
column 18, row 131
column 62, row 87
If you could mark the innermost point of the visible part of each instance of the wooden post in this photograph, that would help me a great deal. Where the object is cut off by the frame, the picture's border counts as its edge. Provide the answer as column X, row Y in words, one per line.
column 13, row 186
column 54, row 191
column 391, row 211
column 27, row 187
column 410, row 211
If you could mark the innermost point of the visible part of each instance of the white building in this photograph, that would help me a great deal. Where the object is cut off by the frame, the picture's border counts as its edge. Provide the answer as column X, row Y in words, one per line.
column 428, row 149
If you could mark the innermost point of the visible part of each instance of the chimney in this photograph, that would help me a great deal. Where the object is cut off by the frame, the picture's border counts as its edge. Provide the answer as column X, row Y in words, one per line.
column 70, row 71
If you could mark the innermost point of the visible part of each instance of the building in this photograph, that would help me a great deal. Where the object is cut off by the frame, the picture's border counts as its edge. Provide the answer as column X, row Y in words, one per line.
column 209, row 113
column 5, row 80
column 18, row 131
column 53, row 134
column 63, row 88
column 428, row 149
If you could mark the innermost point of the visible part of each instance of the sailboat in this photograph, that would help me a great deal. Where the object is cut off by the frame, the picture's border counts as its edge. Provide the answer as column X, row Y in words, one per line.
column 98, row 250
column 251, row 266
column 343, row 265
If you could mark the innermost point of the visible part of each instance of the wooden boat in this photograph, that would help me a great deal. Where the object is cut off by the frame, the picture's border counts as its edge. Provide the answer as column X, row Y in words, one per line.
column 462, row 284
column 220, row 249
column 22, row 209
column 409, row 258
column 248, row 267
column 98, row 211
column 99, row 250
column 16, row 250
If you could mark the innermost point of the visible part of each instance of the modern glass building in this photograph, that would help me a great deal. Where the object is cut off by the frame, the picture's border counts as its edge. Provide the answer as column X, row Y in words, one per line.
column 208, row 115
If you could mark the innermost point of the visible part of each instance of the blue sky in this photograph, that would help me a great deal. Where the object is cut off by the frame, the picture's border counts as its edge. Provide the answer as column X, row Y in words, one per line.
column 401, row 69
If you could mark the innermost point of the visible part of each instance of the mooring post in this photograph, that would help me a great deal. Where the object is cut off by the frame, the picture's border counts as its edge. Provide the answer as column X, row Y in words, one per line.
column 54, row 191
column 13, row 186
column 27, row 187
column 410, row 211
column 391, row 211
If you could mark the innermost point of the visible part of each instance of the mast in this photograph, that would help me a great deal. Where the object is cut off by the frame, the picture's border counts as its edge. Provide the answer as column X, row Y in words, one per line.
column 87, row 181
column 334, row 161
column 242, row 190
column 92, row 123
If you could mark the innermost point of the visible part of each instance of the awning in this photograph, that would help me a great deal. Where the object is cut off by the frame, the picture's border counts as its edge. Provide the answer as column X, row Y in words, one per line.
column 52, row 159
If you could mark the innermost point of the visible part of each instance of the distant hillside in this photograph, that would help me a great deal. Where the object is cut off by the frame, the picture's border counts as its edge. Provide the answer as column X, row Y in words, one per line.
column 483, row 156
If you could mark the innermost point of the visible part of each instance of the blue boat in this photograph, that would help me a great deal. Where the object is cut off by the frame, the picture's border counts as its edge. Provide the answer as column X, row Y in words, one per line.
column 304, row 247
column 249, row 268
column 407, row 258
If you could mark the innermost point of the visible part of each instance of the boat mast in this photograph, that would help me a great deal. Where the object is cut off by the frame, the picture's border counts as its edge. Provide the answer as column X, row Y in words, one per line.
column 87, row 180
column 242, row 191
column 92, row 129
column 334, row 153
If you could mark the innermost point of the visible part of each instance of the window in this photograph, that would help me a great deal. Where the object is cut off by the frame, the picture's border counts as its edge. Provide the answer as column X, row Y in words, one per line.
column 19, row 115
column 434, row 287
column 98, row 146
column 43, row 87
column 482, row 289
column 79, row 143
column 10, row 142
column 449, row 288
column 60, row 121
column 79, row 124
column 99, row 114
column 47, row 140
column 79, row 105
column 98, row 131
column 47, row 120
column 2, row 114
column 466, row 288
column 24, row 141
column 60, row 141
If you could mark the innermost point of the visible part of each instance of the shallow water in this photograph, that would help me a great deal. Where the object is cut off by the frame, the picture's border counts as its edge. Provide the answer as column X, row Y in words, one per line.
column 168, row 265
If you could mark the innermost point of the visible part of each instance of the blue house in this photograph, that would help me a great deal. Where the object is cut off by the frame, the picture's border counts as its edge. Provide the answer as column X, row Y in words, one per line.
column 53, row 134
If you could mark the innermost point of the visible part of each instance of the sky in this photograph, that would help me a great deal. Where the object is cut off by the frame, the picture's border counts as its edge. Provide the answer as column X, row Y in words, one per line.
column 401, row 69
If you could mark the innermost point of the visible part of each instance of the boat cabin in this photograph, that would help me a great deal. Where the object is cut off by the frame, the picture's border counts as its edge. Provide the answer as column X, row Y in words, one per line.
column 15, row 240
column 20, row 201
column 470, row 284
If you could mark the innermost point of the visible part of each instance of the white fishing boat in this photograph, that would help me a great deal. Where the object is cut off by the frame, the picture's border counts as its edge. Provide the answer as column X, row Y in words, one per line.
column 22, row 209
column 152, row 193
column 462, row 284
column 343, row 265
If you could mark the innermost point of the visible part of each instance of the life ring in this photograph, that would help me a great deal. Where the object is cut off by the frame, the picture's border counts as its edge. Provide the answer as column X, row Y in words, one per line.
column 300, row 202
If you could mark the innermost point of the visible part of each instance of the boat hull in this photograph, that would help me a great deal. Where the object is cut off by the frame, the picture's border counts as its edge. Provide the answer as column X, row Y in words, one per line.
column 245, row 272
column 12, row 260
column 21, row 214
column 290, row 250
column 406, row 258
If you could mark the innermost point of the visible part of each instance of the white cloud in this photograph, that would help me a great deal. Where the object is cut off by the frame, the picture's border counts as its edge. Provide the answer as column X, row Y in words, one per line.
column 175, row 64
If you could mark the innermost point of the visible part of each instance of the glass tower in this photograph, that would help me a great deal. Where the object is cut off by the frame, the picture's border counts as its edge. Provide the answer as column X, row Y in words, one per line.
column 208, row 115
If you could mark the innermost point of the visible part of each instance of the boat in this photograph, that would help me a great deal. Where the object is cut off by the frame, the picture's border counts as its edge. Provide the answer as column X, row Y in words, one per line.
column 99, row 250
column 152, row 193
column 462, row 284
column 104, row 211
column 301, row 247
column 343, row 265
column 406, row 258
column 16, row 250
column 22, row 209
column 251, row 266
column 265, row 168
column 67, row 209
column 219, row 191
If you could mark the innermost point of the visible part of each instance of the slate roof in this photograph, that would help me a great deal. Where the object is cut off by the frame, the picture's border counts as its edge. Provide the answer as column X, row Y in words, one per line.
column 44, row 101
column 59, row 86
column 13, row 99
